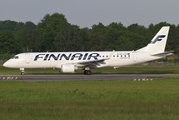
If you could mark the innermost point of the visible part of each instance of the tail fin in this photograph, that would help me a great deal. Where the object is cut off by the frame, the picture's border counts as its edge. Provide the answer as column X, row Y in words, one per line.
column 158, row 43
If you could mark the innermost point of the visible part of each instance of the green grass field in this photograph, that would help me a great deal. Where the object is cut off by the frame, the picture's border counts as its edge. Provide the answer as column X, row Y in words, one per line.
column 90, row 100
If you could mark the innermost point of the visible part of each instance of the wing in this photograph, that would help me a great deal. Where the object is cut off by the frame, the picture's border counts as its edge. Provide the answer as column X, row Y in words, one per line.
column 90, row 63
column 93, row 63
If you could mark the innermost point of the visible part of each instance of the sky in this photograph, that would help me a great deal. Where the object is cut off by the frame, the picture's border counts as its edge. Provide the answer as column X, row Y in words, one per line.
column 86, row 13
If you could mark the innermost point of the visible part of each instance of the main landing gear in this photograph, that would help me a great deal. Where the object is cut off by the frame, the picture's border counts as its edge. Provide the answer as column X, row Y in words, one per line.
column 87, row 72
column 22, row 71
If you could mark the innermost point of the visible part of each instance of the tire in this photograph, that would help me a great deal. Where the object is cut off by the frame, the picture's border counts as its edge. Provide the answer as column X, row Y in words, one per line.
column 22, row 73
column 88, row 72
column 85, row 72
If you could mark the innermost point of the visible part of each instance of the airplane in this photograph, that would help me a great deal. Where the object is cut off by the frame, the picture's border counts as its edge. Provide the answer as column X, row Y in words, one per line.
column 69, row 62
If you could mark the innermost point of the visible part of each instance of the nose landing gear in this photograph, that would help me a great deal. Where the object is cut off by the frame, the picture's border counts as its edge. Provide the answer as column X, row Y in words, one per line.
column 22, row 71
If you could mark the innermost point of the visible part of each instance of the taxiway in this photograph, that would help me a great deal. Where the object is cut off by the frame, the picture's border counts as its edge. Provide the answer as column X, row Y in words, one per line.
column 77, row 77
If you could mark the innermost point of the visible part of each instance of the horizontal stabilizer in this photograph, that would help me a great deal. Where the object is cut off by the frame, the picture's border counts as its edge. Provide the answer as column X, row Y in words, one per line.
column 166, row 53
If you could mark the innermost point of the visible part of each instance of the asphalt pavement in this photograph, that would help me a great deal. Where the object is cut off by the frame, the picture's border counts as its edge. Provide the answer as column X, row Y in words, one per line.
column 77, row 77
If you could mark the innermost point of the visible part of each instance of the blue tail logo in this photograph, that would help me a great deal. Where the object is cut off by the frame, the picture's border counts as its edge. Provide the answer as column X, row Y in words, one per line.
column 158, row 38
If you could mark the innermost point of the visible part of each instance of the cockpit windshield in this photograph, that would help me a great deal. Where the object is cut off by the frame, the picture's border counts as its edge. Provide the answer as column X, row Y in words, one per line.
column 15, row 57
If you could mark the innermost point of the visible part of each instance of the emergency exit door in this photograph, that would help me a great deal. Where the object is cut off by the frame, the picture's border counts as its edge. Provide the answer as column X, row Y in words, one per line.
column 134, row 56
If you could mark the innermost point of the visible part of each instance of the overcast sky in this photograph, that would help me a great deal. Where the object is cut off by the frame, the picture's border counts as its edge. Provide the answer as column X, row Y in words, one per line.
column 86, row 13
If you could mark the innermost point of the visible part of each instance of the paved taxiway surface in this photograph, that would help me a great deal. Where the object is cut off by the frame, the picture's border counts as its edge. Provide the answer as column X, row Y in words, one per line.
column 76, row 77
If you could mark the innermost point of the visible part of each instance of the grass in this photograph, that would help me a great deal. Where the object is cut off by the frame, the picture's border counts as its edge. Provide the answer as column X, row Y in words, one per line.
column 109, row 70
column 90, row 100
column 172, row 76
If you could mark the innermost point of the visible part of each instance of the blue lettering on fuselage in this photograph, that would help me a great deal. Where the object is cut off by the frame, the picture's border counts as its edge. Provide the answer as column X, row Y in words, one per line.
column 76, row 56
column 94, row 55
column 46, row 56
column 37, row 56
column 65, row 56
column 85, row 56
column 53, row 56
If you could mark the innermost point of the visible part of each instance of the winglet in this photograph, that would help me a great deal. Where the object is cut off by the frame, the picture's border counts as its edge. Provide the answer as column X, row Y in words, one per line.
column 109, row 55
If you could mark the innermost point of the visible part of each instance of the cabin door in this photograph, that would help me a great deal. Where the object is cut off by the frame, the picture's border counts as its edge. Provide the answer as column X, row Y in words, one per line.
column 27, row 58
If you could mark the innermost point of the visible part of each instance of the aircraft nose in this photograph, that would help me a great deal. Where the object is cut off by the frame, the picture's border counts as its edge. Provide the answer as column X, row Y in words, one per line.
column 6, row 64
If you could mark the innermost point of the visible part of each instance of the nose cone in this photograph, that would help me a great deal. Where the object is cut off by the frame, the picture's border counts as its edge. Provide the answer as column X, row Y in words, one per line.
column 6, row 64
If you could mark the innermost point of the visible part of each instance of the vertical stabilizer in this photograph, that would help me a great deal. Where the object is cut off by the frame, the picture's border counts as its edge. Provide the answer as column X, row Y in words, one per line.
column 158, row 43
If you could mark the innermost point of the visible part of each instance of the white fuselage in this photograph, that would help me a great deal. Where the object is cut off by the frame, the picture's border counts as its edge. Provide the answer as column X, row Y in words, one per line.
column 56, row 59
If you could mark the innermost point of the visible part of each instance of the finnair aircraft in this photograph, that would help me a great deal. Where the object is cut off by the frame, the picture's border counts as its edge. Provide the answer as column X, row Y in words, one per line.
column 69, row 62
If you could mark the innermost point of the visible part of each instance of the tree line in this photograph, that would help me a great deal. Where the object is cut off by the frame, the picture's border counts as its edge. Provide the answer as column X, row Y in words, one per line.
column 55, row 33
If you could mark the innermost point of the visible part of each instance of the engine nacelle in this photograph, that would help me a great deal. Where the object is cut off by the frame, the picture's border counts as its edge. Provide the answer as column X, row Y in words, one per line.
column 68, row 68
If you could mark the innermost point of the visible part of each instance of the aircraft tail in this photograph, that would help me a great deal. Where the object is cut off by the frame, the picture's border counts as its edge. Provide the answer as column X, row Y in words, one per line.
column 158, row 43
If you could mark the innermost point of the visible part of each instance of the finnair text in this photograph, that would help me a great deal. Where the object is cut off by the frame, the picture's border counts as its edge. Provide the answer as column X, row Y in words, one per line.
column 76, row 56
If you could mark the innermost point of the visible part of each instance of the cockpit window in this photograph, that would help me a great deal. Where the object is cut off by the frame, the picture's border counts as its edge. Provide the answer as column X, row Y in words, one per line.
column 15, row 57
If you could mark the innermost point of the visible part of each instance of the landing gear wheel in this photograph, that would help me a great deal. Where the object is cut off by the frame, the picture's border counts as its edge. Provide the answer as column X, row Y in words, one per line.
column 87, row 72
column 22, row 73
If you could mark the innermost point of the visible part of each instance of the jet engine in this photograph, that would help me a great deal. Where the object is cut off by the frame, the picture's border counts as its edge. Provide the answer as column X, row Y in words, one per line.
column 68, row 68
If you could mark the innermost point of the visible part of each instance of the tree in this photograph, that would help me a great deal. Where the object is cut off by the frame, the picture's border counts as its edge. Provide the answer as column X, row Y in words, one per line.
column 122, row 44
column 173, row 39
column 97, row 28
column 69, row 39
column 95, row 42
column 29, row 25
column 7, row 56
column 15, row 26
column 155, row 28
column 49, row 26
column 97, row 37
column 29, row 39
column 85, row 32
column 9, row 25
column 8, row 43
column 142, row 31
column 110, row 38
column 117, row 26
